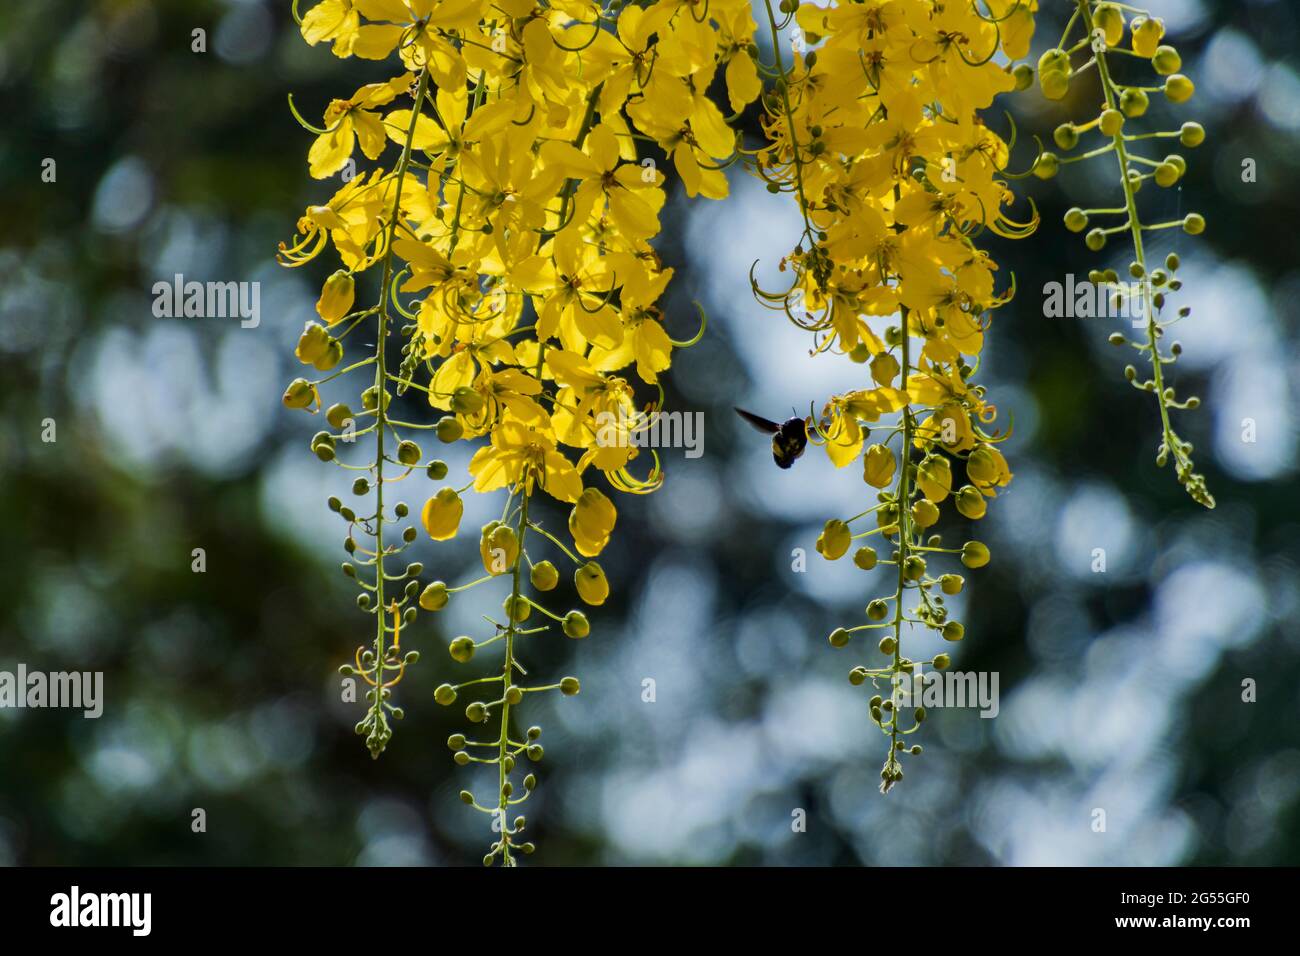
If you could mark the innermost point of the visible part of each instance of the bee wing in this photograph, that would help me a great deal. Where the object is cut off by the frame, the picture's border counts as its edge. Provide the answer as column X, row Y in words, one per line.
column 766, row 426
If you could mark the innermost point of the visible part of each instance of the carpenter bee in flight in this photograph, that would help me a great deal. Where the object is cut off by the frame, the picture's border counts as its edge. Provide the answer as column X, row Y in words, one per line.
column 789, row 438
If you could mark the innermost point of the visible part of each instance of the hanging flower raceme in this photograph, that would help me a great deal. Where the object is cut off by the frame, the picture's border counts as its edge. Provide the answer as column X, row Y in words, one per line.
column 507, row 224
column 876, row 133
column 1103, row 30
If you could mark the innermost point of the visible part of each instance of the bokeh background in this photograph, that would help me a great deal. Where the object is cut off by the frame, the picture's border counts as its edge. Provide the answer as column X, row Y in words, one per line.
column 1119, row 691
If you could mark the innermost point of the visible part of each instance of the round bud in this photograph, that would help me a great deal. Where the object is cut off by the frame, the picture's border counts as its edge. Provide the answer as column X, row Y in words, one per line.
column 888, row 645
column 1166, row 175
column 576, row 625
column 858, row 676
column 865, row 558
column 434, row 597
column 952, row 631
column 544, row 576
column 569, row 686
column 1194, row 224
column 1111, row 122
column 338, row 415
column 913, row 567
column 1166, row 60
column 1179, row 88
column 974, row 554
column 1095, row 240
column 437, row 469
column 445, row 695
column 877, row 610
column 1076, row 220
column 1024, row 76
column 461, row 649
column 951, row 583
column 360, row 486
column 449, row 429
column 1047, row 165
column 456, row 742
column 1066, row 136
column 839, row 637
column 514, row 695
column 1133, row 102
column 941, row 662
column 1191, row 135
column 408, row 453
column 476, row 712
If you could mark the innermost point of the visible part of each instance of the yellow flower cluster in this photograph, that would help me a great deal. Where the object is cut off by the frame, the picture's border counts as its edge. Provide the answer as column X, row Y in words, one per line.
column 1103, row 29
column 875, row 130
column 507, row 219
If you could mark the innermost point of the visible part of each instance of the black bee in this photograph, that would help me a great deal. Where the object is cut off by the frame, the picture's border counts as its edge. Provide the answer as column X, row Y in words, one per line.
column 789, row 438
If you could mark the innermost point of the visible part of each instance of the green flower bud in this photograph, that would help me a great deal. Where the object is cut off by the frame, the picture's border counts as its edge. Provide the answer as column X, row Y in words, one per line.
column 1112, row 121
column 434, row 597
column 476, row 712
column 437, row 470
column 865, row 558
column 408, row 453
column 1047, row 165
column 461, row 649
column 974, row 554
column 1193, row 224
column 544, row 576
column 888, row 645
column 1095, row 240
column 858, row 676
column 1024, row 76
column 1076, row 220
column 514, row 695
column 1166, row 60
column 338, row 415
column 1166, row 174
column 517, row 608
column 877, row 610
column 941, row 662
column 1066, row 136
column 445, row 695
column 449, row 429
column 971, row 503
column 360, row 486
column 1191, row 135
column 1133, row 102
column 951, row 583
column 952, row 631
column 576, row 625
column 569, row 686
column 839, row 637
column 1178, row 88
column 913, row 567
column 456, row 742
column 466, row 401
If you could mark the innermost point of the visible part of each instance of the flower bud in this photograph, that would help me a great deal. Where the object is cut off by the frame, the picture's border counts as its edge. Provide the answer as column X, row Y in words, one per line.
column 971, row 503
column 445, row 695
column 1193, row 224
column 576, row 625
column 592, row 521
column 1134, row 102
column 1066, row 136
column 865, row 558
column 466, row 401
column 449, row 429
column 1191, row 135
column 442, row 513
column 408, row 453
column 951, row 583
column 834, row 540
column 1047, row 165
column 434, row 597
column 1076, row 220
column 517, row 608
column 941, row 662
column 461, row 649
column 839, row 637
column 591, row 584
column 569, row 686
column 300, row 394
column 924, row 512
column 1178, row 88
column 877, row 610
column 952, row 631
column 878, row 466
column 336, row 297
column 913, row 567
column 544, row 577
column 1111, row 122
column 974, row 554
column 1147, row 34
column 1166, row 60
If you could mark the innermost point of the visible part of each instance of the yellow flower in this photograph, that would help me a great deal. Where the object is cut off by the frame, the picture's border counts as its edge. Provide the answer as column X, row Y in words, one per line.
column 591, row 522
column 442, row 513
column 522, row 455
column 350, row 122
